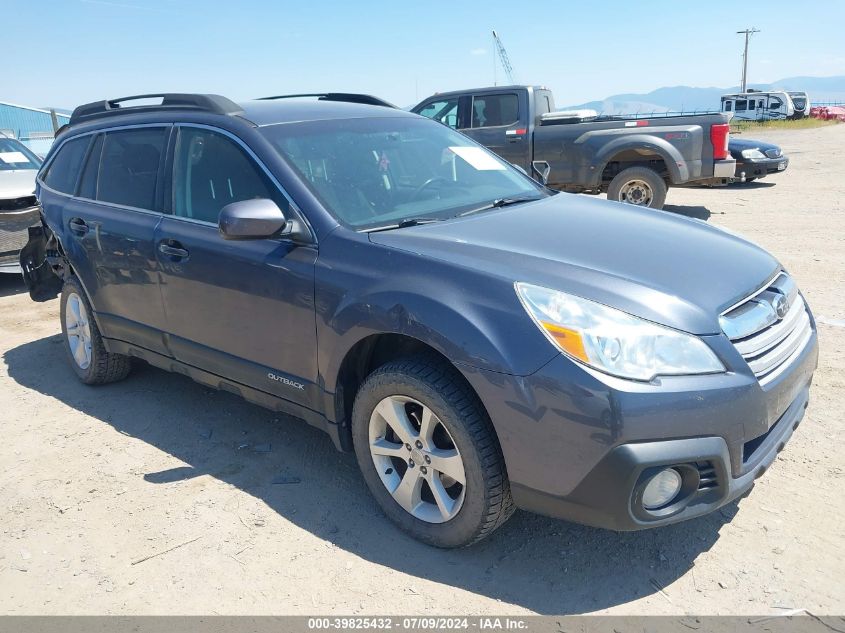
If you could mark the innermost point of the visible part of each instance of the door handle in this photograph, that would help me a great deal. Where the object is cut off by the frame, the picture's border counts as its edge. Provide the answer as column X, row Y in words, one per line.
column 77, row 226
column 173, row 249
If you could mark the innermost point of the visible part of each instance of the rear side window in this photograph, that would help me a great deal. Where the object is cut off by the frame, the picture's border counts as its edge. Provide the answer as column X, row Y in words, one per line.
column 728, row 105
column 129, row 167
column 495, row 110
column 210, row 171
column 64, row 169
column 741, row 105
column 88, row 184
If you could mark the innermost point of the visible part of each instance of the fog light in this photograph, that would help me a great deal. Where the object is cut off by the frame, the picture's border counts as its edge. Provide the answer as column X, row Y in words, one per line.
column 661, row 489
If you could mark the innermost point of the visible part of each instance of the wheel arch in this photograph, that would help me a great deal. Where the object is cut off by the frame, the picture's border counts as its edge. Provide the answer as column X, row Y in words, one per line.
column 646, row 148
column 365, row 357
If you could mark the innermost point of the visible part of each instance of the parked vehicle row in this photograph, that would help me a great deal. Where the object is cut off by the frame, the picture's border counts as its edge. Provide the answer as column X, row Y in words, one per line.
column 479, row 340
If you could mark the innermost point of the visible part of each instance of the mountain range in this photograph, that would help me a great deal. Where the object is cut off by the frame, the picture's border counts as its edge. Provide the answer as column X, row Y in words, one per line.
column 687, row 98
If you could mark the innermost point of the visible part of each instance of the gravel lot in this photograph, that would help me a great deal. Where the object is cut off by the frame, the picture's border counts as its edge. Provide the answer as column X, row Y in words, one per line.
column 96, row 480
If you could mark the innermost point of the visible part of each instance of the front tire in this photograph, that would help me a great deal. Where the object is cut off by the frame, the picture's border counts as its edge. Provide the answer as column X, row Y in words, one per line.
column 428, row 453
column 83, row 342
column 639, row 186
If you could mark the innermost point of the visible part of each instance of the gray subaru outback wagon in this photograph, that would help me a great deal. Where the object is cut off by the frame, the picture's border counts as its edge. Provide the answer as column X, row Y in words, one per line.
column 480, row 342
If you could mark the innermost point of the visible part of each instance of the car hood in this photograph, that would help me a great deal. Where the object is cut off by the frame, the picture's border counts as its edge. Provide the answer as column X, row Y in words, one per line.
column 739, row 144
column 657, row 265
column 17, row 183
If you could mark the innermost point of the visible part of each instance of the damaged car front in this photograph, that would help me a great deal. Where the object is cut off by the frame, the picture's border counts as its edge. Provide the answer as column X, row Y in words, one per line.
column 19, row 208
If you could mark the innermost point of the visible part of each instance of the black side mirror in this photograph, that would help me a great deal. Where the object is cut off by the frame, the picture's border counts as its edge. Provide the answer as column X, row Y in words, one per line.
column 257, row 219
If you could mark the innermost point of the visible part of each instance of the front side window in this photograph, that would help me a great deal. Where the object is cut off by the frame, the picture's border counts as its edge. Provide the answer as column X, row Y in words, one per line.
column 210, row 171
column 775, row 104
column 129, row 167
column 495, row 110
column 445, row 111
column 63, row 170
column 15, row 155
column 372, row 172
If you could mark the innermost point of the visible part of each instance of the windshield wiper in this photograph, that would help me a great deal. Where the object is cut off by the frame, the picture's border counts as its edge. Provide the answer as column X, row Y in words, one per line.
column 498, row 203
column 403, row 224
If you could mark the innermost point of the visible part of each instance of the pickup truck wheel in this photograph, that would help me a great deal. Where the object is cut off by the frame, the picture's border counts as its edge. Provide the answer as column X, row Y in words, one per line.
column 84, row 344
column 641, row 186
column 428, row 453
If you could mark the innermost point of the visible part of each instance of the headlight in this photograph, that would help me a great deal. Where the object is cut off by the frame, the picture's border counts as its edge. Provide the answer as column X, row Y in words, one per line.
column 752, row 153
column 613, row 341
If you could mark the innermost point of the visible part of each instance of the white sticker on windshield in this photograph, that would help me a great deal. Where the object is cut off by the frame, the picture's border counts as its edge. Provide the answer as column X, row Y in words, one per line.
column 478, row 158
column 13, row 157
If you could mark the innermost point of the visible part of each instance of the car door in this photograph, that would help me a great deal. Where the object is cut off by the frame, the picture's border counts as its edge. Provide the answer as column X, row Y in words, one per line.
column 108, row 228
column 243, row 310
column 495, row 122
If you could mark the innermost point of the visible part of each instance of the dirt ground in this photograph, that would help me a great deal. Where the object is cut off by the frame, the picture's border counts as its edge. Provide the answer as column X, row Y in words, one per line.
column 99, row 485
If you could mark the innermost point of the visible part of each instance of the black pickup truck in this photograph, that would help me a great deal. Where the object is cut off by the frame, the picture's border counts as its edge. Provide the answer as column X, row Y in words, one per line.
column 633, row 159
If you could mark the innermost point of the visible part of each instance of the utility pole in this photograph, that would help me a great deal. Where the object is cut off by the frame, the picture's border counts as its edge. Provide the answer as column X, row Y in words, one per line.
column 747, row 33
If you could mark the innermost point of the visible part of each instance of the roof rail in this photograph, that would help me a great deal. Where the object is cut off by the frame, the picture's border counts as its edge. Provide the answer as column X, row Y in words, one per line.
column 169, row 101
column 349, row 97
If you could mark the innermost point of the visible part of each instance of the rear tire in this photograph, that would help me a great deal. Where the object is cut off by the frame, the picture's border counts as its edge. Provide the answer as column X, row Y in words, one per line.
column 83, row 342
column 404, row 404
column 639, row 186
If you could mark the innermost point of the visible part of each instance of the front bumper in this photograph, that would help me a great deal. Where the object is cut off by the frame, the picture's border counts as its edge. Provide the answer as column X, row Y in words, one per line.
column 760, row 168
column 578, row 444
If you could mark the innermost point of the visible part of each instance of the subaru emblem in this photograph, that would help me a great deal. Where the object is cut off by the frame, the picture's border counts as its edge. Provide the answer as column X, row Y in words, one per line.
column 781, row 305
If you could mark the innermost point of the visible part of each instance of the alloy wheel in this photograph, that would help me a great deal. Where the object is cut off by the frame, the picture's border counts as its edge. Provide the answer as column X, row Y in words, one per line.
column 78, row 330
column 417, row 459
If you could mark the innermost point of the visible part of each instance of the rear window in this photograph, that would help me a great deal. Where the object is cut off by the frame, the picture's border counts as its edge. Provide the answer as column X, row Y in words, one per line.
column 129, row 167
column 64, row 169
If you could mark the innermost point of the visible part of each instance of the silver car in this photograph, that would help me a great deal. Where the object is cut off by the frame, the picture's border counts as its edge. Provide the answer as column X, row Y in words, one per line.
column 18, row 205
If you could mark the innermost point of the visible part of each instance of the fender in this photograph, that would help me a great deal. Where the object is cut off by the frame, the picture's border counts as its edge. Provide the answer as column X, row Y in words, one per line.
column 476, row 339
column 675, row 162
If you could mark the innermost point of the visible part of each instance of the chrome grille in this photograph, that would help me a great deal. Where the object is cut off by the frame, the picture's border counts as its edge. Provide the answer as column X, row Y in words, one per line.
column 18, row 204
column 770, row 328
column 774, row 153
column 13, row 229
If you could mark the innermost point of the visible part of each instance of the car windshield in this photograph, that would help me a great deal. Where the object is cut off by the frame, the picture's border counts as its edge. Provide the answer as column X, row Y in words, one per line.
column 379, row 172
column 15, row 155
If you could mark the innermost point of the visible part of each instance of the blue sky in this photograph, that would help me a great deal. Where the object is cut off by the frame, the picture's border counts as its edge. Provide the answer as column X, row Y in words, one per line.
column 73, row 51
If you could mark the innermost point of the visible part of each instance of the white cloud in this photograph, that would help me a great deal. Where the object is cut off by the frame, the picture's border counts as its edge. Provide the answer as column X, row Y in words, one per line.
column 478, row 51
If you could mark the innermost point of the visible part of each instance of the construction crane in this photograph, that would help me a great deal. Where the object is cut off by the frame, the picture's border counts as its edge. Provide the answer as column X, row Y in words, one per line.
column 503, row 57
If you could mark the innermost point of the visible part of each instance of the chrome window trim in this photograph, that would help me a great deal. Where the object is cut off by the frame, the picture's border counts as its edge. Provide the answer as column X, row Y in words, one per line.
column 54, row 152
